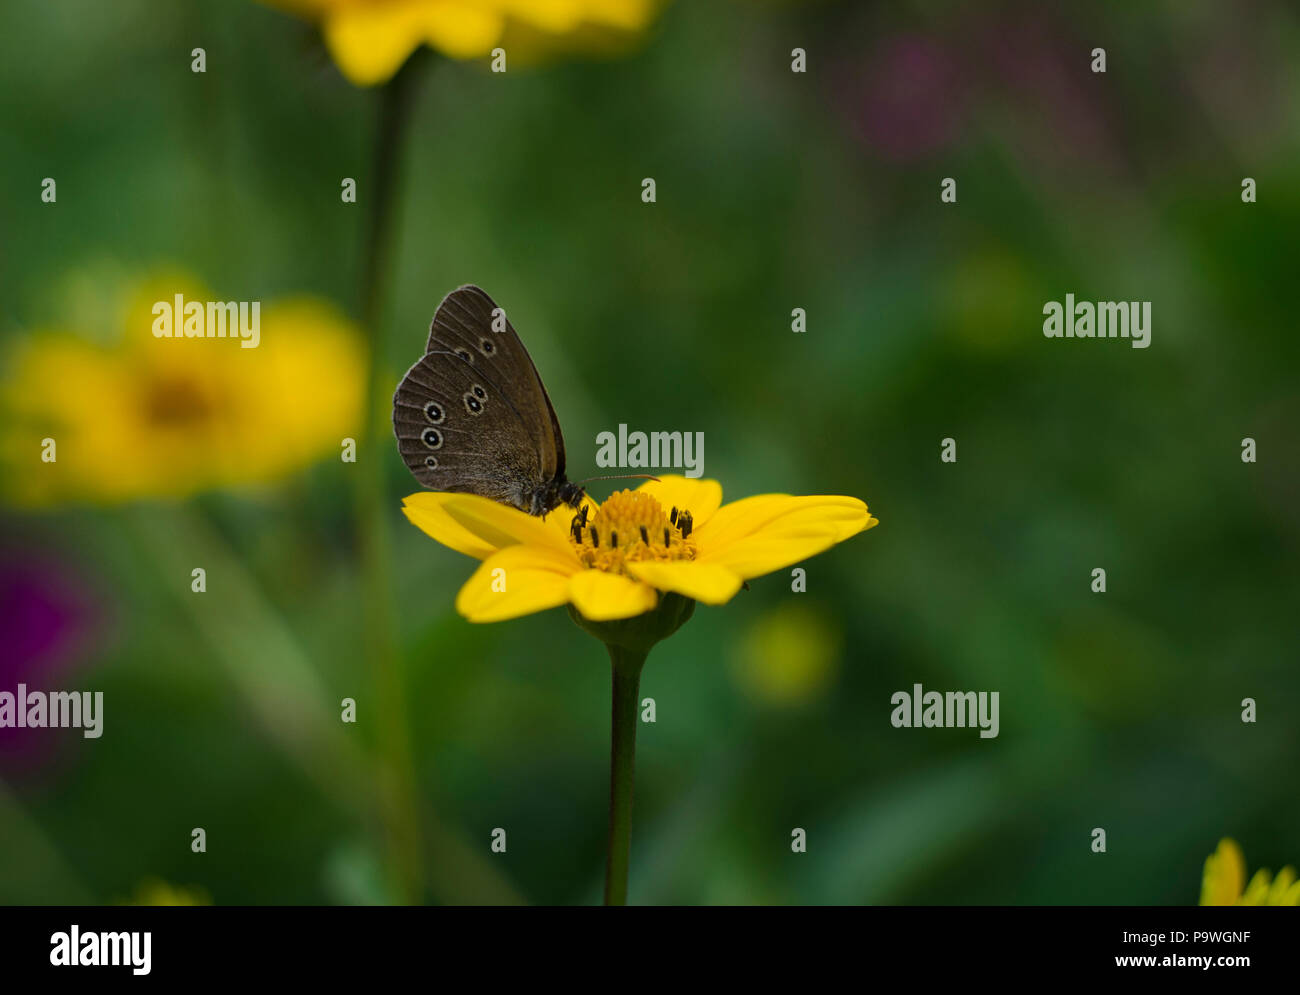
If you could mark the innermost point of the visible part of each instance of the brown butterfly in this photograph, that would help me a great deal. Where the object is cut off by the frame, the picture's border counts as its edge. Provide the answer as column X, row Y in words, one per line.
column 472, row 415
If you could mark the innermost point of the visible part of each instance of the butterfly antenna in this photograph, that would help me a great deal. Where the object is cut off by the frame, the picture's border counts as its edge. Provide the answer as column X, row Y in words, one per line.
column 623, row 476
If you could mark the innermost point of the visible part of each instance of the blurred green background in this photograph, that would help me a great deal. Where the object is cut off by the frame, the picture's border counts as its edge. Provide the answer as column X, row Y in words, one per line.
column 775, row 190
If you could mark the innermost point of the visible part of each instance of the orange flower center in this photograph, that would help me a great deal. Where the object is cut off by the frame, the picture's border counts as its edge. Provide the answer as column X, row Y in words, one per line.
column 631, row 527
column 175, row 401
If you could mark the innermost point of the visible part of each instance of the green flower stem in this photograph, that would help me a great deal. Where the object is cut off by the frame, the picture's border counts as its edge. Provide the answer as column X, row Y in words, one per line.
column 372, row 506
column 626, row 666
column 629, row 642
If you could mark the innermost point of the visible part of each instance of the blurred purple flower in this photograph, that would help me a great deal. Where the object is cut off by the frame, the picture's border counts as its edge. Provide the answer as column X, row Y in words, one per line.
column 905, row 98
column 47, row 619
column 1026, row 77
column 1053, row 103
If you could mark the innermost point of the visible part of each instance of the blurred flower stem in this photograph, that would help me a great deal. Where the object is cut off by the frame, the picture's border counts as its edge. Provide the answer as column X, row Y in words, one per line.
column 254, row 645
column 401, row 818
column 267, row 663
column 31, row 866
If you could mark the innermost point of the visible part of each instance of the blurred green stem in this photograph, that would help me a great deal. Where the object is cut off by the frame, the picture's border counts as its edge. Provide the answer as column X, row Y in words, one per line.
column 372, row 506
column 626, row 666
column 33, row 869
column 265, row 660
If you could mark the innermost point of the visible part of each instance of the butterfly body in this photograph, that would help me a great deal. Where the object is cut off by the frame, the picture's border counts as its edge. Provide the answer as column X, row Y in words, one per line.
column 472, row 416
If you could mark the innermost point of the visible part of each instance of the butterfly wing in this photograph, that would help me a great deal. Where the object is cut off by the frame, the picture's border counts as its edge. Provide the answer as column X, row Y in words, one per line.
column 466, row 324
column 471, row 415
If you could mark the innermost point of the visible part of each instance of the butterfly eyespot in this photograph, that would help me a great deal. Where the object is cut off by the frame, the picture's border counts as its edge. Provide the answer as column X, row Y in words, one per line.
column 433, row 412
column 431, row 462
column 431, row 438
column 473, row 404
column 479, row 392
column 487, row 347
column 464, row 354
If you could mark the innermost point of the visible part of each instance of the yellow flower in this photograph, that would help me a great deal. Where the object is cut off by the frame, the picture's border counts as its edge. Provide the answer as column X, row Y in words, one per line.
column 671, row 535
column 169, row 417
column 155, row 891
column 1224, row 881
column 789, row 655
column 371, row 39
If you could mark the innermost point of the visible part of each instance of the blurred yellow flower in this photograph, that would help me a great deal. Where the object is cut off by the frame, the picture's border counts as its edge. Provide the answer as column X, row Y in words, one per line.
column 1224, row 881
column 169, row 417
column 371, row 39
column 611, row 560
column 155, row 891
column 789, row 655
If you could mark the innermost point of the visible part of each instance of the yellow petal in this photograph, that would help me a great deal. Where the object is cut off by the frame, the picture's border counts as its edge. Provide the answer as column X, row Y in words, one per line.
column 1256, row 892
column 707, row 582
column 516, row 581
column 1290, row 896
column 370, row 42
column 700, row 497
column 555, row 16
column 754, row 558
column 629, row 15
column 489, row 524
column 603, row 597
column 775, row 531
column 461, row 30
column 1225, row 875
column 1282, row 886
column 781, row 513
column 425, row 511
